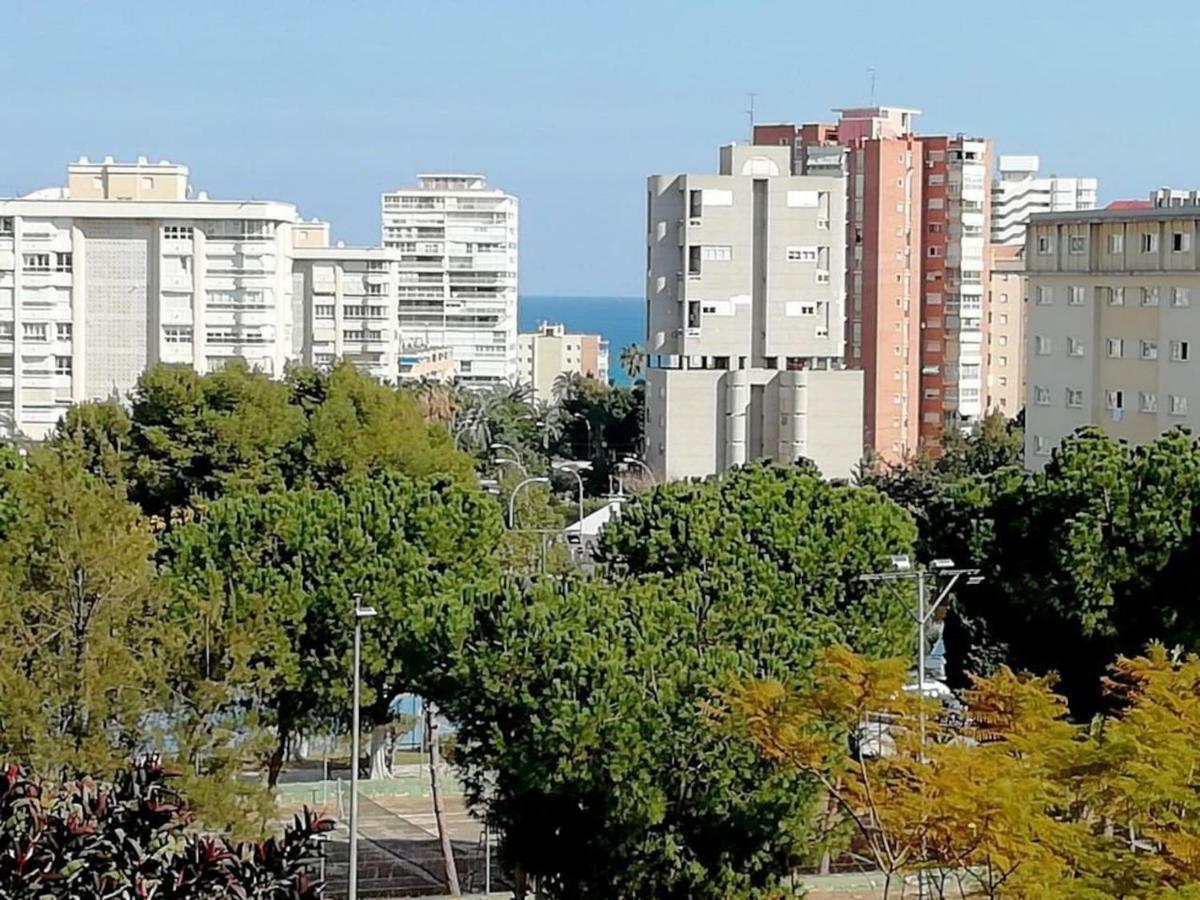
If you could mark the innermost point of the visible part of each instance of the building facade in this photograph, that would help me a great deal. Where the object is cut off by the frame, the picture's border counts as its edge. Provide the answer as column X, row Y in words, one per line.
column 552, row 351
column 345, row 307
column 745, row 319
column 1113, row 331
column 123, row 269
column 457, row 275
column 1006, row 332
column 918, row 212
column 1019, row 192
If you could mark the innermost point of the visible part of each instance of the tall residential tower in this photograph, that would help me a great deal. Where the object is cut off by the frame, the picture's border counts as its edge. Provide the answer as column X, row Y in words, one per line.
column 745, row 319
column 457, row 278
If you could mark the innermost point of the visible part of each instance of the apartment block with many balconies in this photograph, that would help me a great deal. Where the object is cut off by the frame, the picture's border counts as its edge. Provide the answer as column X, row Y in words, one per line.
column 457, row 275
column 1114, row 324
column 745, row 319
column 124, row 268
column 552, row 351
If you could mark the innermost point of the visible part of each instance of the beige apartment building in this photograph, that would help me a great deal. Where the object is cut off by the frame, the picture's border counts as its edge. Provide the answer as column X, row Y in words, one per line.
column 1112, row 331
column 1006, row 330
column 551, row 351
column 746, row 319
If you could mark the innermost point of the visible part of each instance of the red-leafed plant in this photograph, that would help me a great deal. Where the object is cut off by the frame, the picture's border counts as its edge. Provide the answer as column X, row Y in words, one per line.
column 128, row 840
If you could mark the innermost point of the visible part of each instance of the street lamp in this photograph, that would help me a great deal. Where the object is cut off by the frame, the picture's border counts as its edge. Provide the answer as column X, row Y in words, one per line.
column 575, row 468
column 634, row 461
column 511, row 450
column 505, row 461
column 512, row 500
column 902, row 570
column 360, row 613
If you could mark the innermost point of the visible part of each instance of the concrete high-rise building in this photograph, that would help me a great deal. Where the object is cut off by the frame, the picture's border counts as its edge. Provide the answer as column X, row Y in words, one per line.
column 552, row 351
column 918, row 212
column 1006, row 333
column 1019, row 192
column 1112, row 336
column 457, row 277
column 745, row 319
column 123, row 268
column 344, row 306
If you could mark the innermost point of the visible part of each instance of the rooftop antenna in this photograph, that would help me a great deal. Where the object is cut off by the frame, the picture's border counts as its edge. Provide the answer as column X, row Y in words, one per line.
column 750, row 112
column 871, row 71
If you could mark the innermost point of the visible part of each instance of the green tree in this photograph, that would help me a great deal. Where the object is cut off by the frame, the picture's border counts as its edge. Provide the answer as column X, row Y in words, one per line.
column 269, row 584
column 584, row 697
column 87, row 646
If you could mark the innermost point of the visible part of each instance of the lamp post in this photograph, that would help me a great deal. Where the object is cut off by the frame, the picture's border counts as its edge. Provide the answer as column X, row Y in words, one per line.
column 902, row 570
column 505, row 461
column 634, row 461
column 575, row 468
column 512, row 500
column 360, row 613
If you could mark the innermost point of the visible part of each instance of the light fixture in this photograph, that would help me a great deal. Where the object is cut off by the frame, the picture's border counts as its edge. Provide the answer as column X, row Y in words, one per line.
column 901, row 562
column 942, row 564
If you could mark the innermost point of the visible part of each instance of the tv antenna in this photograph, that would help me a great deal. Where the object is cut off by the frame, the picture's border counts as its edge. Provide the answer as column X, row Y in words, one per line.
column 871, row 72
column 750, row 112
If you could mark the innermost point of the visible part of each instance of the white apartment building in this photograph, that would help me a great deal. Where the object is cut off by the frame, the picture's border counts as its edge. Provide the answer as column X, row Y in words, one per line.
column 1113, row 332
column 745, row 319
column 552, row 351
column 345, row 307
column 123, row 268
column 1019, row 192
column 457, row 276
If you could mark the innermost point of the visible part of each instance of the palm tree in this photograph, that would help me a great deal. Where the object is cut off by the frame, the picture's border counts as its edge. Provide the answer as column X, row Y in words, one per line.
column 567, row 386
column 633, row 360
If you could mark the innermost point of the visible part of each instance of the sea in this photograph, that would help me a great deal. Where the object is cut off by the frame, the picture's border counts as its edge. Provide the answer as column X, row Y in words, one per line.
column 620, row 320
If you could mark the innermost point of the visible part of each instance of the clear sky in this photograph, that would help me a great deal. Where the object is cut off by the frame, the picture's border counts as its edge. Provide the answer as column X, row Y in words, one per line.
column 570, row 105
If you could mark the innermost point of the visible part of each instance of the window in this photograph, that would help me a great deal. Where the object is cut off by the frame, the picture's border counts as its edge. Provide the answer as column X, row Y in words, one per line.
column 937, row 203
column 1042, row 345
column 1181, row 242
column 1150, row 243
column 1075, row 398
column 1178, row 405
column 36, row 262
column 694, row 260
column 1179, row 351
column 936, row 227
column 1116, row 243
column 937, row 179
column 376, row 265
column 1147, row 403
column 1076, row 295
column 935, row 251
column 1116, row 348
column 34, row 331
column 1002, row 340
column 6, row 330
column 1116, row 296
column 1003, row 360
column 1041, row 446
column 1077, row 244
column 62, row 262
column 1045, row 295
column 6, row 226
column 375, row 289
column 1150, row 296
column 1041, row 395
column 802, row 254
column 62, row 365
column 1044, row 246
column 1181, row 296
column 1114, row 400
column 1074, row 347
column 177, row 334
column 695, row 204
column 716, row 253
column 1003, row 318
column 147, row 183
column 1149, row 349
column 64, row 330
column 178, row 232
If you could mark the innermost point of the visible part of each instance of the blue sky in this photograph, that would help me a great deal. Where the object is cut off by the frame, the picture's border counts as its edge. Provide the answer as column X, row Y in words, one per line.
column 570, row 105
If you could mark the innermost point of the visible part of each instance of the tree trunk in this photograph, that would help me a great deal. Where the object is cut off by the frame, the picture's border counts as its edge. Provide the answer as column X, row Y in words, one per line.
column 275, row 764
column 439, row 809
column 380, row 762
